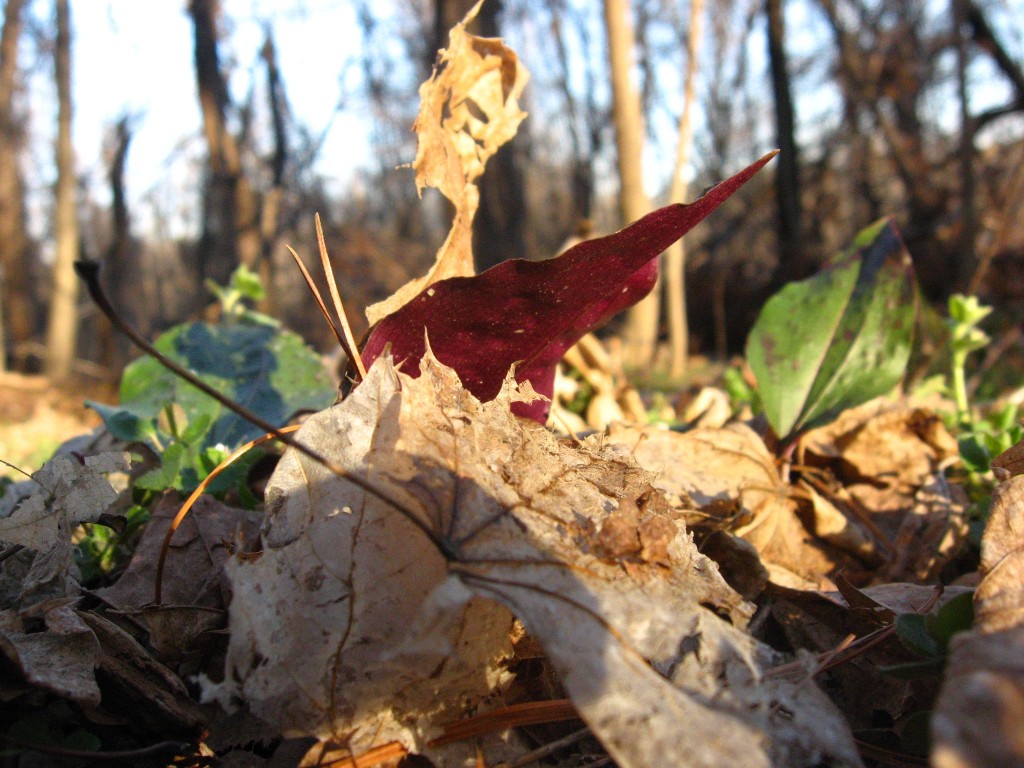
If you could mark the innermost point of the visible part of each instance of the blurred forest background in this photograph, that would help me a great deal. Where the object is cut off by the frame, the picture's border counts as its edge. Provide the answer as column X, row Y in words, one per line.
column 909, row 108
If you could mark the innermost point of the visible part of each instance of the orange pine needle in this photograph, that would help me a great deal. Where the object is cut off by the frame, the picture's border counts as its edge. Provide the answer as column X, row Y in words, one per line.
column 528, row 713
column 385, row 753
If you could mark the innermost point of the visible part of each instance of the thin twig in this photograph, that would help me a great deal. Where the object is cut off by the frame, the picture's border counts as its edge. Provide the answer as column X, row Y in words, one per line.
column 160, row 748
column 541, row 752
column 19, row 469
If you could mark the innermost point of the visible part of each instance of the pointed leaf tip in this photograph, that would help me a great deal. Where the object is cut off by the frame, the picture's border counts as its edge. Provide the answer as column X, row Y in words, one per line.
column 531, row 312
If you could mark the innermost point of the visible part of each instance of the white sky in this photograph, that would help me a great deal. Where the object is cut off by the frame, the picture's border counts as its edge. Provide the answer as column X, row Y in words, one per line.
column 135, row 57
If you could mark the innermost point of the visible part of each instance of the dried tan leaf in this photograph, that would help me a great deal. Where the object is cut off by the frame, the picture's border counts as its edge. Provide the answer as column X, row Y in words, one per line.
column 981, row 706
column 731, row 477
column 931, row 533
column 68, row 492
column 144, row 689
column 351, row 625
column 195, row 590
column 469, row 108
column 1010, row 462
column 885, row 442
column 61, row 659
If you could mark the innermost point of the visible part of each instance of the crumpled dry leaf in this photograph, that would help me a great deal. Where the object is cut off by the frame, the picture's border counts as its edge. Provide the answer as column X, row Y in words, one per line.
column 327, row 636
column 140, row 688
column 1010, row 462
column 730, row 476
column 195, row 591
column 885, row 471
column 469, row 108
column 62, row 658
column 352, row 625
column 69, row 491
column 981, row 707
column 886, row 442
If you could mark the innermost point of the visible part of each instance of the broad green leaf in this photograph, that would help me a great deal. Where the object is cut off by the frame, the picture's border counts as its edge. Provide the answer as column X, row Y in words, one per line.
column 912, row 630
column 837, row 339
column 266, row 369
column 956, row 615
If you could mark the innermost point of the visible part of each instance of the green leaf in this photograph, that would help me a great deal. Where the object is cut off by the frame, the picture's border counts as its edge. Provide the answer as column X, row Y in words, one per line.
column 268, row 370
column 912, row 630
column 168, row 475
column 956, row 615
column 973, row 453
column 247, row 283
column 124, row 425
column 838, row 339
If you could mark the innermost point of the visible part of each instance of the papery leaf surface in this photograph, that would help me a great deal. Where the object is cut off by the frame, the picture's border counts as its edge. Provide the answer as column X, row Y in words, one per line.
column 977, row 715
column 839, row 338
column 352, row 625
column 529, row 313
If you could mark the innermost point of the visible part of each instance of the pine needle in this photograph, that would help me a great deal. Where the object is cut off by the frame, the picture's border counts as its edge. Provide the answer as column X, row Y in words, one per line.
column 319, row 300
column 339, row 308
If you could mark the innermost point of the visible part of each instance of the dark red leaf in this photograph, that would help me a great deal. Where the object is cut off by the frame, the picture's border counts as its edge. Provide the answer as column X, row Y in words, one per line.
column 531, row 312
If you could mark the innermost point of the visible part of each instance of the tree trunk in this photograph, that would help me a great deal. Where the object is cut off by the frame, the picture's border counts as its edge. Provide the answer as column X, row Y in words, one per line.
column 787, row 178
column 968, row 183
column 62, row 329
column 231, row 227
column 270, row 212
column 640, row 332
column 17, row 309
column 120, row 273
column 675, row 262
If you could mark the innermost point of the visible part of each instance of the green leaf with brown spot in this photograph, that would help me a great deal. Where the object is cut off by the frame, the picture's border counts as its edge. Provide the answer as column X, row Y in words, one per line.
column 839, row 338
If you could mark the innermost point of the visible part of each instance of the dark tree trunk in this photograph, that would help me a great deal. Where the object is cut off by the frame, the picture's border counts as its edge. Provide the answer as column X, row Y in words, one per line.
column 787, row 176
column 230, row 212
column 18, row 308
column 121, row 267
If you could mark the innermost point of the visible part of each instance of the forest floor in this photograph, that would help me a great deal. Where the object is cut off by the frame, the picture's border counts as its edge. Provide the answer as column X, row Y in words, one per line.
column 36, row 417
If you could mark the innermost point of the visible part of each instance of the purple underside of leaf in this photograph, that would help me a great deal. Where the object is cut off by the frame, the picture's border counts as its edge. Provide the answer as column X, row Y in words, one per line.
column 530, row 312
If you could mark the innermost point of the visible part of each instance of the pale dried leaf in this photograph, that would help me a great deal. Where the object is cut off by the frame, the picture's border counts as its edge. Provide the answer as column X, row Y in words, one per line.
column 889, row 443
column 835, row 526
column 145, row 690
column 469, row 108
column 351, row 625
column 731, row 477
column 69, row 492
column 61, row 658
column 931, row 532
column 324, row 622
column 981, row 705
column 726, row 473
column 1010, row 462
